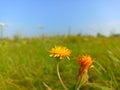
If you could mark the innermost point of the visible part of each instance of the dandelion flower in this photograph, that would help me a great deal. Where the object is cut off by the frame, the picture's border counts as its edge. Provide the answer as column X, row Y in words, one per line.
column 60, row 52
column 85, row 63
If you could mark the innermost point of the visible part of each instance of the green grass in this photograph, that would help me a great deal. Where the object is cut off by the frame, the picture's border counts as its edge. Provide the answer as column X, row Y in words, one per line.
column 25, row 63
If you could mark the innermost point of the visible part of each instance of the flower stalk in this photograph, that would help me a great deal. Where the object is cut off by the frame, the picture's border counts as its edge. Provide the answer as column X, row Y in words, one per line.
column 82, row 79
column 59, row 77
column 85, row 63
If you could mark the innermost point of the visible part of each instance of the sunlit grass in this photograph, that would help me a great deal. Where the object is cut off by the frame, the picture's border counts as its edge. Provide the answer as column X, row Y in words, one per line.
column 25, row 63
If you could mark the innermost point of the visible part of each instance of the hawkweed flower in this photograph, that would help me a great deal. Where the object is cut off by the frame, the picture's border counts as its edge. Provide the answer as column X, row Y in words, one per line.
column 60, row 52
column 85, row 63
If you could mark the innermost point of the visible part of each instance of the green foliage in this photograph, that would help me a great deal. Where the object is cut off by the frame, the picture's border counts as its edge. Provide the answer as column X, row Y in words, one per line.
column 25, row 63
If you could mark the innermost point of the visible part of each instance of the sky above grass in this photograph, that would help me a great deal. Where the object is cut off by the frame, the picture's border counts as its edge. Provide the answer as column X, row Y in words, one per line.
column 51, row 17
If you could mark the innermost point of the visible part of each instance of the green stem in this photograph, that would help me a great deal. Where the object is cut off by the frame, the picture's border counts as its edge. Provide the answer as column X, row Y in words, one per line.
column 47, row 87
column 82, row 79
column 65, row 88
column 78, row 85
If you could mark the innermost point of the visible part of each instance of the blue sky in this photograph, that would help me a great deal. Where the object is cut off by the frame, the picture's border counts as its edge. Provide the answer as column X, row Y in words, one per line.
column 57, row 16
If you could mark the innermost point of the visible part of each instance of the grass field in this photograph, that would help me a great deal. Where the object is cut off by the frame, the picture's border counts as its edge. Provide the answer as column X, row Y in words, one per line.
column 25, row 63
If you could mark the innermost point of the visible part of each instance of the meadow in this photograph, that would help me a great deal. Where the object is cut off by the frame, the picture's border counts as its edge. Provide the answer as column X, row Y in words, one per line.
column 25, row 63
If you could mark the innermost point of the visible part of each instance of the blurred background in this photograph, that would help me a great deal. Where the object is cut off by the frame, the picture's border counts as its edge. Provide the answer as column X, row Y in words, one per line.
column 30, row 18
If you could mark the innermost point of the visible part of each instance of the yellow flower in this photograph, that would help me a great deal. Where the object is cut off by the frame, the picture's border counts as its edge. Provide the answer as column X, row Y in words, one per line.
column 85, row 63
column 60, row 52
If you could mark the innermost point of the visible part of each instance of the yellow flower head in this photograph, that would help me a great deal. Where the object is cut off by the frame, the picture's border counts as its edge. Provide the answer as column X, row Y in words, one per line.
column 85, row 62
column 60, row 52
